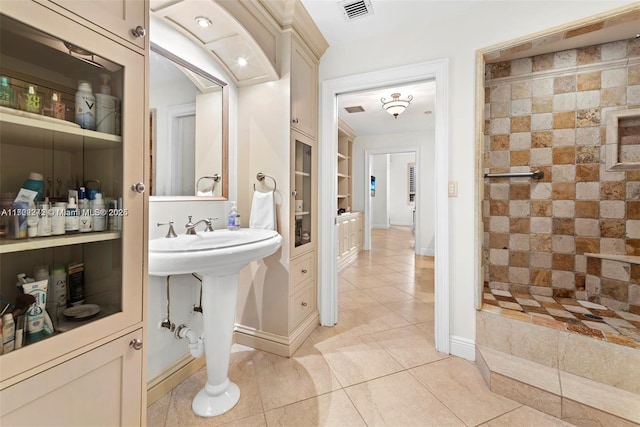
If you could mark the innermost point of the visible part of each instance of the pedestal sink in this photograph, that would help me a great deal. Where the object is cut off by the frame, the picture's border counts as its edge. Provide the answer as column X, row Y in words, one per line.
column 218, row 257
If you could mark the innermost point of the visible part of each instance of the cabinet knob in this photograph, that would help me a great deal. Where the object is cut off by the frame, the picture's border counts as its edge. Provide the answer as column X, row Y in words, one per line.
column 138, row 187
column 304, row 271
column 304, row 304
column 139, row 32
column 136, row 344
column 295, row 121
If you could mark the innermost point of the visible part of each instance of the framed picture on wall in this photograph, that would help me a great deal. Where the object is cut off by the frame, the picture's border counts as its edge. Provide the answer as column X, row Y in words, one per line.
column 373, row 186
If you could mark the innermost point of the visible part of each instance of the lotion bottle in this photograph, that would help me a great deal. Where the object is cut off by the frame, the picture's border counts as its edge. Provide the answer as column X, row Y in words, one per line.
column 99, row 212
column 85, row 106
column 233, row 219
column 8, row 333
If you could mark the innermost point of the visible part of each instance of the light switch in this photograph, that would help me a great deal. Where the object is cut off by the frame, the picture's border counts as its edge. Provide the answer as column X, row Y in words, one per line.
column 453, row 188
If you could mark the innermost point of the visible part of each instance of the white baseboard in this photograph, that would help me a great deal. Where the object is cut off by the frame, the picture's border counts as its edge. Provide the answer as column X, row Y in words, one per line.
column 462, row 347
column 276, row 344
column 172, row 376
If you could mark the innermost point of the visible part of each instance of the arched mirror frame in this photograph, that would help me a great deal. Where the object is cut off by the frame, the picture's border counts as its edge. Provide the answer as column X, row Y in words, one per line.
column 224, row 176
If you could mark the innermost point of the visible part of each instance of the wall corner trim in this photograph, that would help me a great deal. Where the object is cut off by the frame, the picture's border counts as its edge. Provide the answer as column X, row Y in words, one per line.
column 463, row 347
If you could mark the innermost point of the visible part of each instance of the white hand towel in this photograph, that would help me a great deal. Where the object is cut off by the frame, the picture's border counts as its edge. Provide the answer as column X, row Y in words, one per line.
column 263, row 211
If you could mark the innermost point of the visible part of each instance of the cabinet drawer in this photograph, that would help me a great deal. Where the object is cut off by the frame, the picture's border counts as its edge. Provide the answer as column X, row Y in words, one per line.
column 301, row 305
column 303, row 270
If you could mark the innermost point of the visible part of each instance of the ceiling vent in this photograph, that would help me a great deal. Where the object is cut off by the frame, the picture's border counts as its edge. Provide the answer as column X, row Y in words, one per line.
column 355, row 9
column 355, row 109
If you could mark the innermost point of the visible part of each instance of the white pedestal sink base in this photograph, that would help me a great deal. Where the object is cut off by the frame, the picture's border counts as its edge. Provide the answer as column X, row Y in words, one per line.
column 206, row 405
column 219, row 296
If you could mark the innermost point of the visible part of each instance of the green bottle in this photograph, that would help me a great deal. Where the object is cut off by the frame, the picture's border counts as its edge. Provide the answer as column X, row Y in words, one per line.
column 7, row 94
column 33, row 102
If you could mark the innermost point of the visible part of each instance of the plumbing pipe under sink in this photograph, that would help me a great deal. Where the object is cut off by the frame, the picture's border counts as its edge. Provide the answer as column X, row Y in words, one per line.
column 196, row 344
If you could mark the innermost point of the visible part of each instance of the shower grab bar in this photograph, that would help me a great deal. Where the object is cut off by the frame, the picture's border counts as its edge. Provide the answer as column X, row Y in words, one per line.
column 535, row 175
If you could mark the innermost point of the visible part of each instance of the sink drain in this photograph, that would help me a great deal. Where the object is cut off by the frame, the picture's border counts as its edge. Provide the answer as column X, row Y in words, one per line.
column 593, row 316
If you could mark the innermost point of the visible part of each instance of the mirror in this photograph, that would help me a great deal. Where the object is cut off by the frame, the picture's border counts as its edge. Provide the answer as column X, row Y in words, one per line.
column 189, row 129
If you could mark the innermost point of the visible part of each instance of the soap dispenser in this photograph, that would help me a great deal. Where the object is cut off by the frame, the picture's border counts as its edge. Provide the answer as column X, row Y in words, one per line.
column 233, row 219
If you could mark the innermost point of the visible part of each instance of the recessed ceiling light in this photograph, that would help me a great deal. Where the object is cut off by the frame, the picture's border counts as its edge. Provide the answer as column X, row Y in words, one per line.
column 242, row 61
column 203, row 21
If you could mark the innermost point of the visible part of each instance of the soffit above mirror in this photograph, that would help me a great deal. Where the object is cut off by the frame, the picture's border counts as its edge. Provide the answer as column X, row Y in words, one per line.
column 225, row 39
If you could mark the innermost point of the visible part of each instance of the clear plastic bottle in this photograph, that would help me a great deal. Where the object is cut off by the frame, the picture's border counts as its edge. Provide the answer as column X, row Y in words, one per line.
column 85, row 106
column 233, row 219
column 99, row 213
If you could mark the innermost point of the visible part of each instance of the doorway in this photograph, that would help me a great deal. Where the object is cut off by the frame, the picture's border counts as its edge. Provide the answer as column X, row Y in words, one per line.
column 437, row 71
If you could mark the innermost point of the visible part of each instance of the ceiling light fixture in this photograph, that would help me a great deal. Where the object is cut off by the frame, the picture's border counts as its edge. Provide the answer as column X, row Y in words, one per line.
column 242, row 61
column 396, row 106
column 203, row 22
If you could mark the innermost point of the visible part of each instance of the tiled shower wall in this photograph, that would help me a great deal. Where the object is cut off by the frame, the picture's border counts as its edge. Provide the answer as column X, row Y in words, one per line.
column 548, row 112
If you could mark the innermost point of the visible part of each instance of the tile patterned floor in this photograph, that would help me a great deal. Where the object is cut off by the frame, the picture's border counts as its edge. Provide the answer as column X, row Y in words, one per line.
column 581, row 317
column 376, row 367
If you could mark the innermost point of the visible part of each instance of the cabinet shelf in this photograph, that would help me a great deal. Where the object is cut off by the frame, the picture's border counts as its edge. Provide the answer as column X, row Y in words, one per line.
column 300, row 173
column 342, row 157
column 341, row 175
column 9, row 246
column 26, row 129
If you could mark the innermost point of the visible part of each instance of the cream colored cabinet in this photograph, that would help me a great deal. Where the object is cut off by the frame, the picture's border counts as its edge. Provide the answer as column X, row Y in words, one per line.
column 86, row 367
column 349, row 233
column 100, row 387
column 304, row 90
column 126, row 19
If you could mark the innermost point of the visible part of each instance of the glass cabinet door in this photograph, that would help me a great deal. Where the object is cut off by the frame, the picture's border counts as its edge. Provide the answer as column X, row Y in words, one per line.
column 304, row 193
column 67, row 213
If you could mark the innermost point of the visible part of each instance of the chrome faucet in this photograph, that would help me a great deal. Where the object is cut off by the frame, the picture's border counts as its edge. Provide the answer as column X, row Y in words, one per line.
column 171, row 233
column 191, row 226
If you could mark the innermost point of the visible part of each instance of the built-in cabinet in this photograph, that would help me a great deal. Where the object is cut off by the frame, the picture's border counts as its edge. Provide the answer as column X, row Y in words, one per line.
column 278, row 327
column 91, row 366
column 349, row 236
column 345, row 169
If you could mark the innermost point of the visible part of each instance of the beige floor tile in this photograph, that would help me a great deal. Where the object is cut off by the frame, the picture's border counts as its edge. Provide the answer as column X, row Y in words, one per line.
column 366, row 281
column 345, row 285
column 397, row 278
column 413, row 311
column 531, row 396
column 284, row 380
column 420, row 292
column 583, row 415
column 387, row 294
column 243, row 374
column 525, row 417
column 357, row 359
column 458, row 384
column 253, row 421
column 375, row 270
column 331, row 409
column 350, row 300
column 370, row 319
column 157, row 412
column 410, row 346
column 399, row 400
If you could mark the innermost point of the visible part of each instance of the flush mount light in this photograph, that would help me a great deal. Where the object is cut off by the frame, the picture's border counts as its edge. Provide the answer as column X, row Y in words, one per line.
column 396, row 106
column 242, row 61
column 203, row 21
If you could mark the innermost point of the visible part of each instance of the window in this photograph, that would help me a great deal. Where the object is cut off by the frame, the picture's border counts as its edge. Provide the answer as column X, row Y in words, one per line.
column 411, row 184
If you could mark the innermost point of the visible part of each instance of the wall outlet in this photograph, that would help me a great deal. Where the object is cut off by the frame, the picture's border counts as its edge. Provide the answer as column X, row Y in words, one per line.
column 453, row 188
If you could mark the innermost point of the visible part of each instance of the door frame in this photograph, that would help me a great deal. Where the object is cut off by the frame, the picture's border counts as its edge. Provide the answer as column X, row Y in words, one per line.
column 437, row 70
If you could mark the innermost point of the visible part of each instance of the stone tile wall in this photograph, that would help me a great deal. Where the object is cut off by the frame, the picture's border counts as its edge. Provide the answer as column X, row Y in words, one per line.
column 548, row 112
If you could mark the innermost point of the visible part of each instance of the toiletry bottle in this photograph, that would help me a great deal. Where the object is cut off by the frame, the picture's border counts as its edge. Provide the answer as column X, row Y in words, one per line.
column 8, row 333
column 84, row 211
column 233, row 219
column 72, row 219
column 54, row 107
column 112, row 223
column 33, row 101
column 58, row 294
column 35, row 183
column 99, row 213
column 58, row 222
column 7, row 94
column 75, row 284
column 32, row 221
column 105, row 107
column 85, row 106
column 21, row 330
column 44, row 220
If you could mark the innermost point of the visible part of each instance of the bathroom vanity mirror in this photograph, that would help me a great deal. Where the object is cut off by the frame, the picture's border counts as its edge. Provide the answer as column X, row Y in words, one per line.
column 189, row 129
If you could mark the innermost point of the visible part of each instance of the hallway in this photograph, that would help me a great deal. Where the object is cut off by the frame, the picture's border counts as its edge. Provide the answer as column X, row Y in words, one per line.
column 377, row 366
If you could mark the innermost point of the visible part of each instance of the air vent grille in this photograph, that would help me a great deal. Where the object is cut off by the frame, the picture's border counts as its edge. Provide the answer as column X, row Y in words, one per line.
column 355, row 9
column 354, row 109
